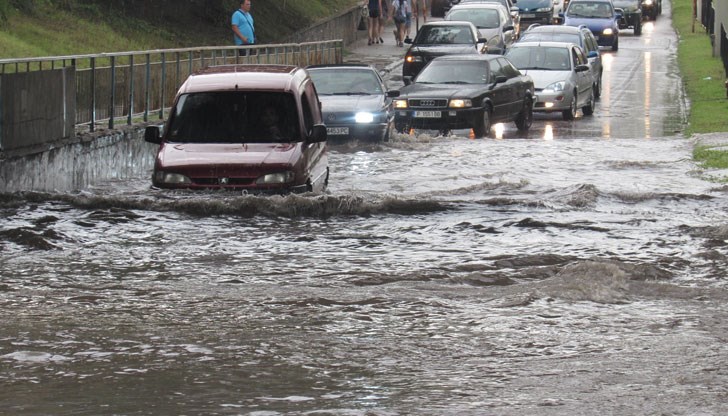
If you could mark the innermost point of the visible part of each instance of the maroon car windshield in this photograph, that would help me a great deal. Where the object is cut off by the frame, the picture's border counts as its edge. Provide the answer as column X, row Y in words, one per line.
column 234, row 117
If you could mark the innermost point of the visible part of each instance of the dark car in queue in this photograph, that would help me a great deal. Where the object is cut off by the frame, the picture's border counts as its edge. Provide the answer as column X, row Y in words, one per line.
column 599, row 16
column 651, row 8
column 561, row 75
column 580, row 36
column 536, row 11
column 631, row 11
column 245, row 128
column 355, row 102
column 466, row 92
column 493, row 21
column 437, row 39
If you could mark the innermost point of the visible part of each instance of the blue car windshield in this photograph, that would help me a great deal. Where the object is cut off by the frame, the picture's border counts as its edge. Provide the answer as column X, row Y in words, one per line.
column 594, row 10
column 339, row 81
column 533, row 4
column 454, row 72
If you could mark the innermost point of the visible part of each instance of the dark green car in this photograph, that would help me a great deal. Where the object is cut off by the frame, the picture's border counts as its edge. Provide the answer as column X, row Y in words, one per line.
column 631, row 11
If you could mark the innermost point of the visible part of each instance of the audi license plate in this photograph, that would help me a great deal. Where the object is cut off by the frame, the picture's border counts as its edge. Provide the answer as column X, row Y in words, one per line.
column 428, row 114
column 337, row 131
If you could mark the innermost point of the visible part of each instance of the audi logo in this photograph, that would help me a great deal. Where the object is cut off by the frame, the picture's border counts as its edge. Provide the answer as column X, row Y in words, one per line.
column 427, row 103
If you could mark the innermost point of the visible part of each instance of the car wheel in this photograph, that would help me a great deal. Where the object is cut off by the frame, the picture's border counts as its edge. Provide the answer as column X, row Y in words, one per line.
column 588, row 109
column 389, row 132
column 598, row 87
column 525, row 117
column 615, row 44
column 571, row 112
column 482, row 124
column 401, row 128
column 638, row 26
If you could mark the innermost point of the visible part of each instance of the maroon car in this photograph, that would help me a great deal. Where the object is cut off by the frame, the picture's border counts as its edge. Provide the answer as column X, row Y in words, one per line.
column 249, row 128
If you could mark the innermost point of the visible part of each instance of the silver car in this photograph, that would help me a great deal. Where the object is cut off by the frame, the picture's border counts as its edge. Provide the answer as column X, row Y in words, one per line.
column 560, row 73
column 493, row 21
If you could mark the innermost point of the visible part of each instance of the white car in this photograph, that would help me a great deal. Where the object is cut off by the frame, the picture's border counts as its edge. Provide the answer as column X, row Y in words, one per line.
column 561, row 76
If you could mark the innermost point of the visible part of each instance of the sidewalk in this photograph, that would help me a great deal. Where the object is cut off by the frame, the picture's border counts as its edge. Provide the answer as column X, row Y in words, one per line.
column 386, row 57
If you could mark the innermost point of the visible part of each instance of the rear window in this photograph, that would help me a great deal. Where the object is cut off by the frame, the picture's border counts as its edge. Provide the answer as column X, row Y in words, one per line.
column 234, row 117
column 438, row 35
column 555, row 37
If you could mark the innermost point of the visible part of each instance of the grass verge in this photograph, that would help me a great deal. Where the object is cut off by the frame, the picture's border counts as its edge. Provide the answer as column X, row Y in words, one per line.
column 703, row 76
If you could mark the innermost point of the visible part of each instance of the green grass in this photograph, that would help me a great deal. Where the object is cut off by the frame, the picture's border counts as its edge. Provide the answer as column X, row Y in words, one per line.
column 704, row 78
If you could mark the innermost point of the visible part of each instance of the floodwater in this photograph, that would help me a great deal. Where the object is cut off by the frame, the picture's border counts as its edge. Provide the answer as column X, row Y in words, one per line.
column 578, row 270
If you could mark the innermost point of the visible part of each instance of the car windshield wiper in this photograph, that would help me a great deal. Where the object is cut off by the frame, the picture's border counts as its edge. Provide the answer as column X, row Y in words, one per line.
column 352, row 93
column 538, row 68
column 454, row 82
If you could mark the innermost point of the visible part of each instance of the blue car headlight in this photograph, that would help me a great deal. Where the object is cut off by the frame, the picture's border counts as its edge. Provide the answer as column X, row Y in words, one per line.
column 364, row 117
column 607, row 32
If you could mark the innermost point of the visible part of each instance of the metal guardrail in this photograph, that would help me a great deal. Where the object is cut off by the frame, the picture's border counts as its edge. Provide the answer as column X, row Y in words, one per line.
column 136, row 85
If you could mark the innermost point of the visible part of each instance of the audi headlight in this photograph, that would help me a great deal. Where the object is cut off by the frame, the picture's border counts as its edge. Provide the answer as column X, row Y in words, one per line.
column 275, row 178
column 607, row 32
column 171, row 178
column 555, row 87
column 460, row 103
column 413, row 58
column 648, row 3
column 400, row 104
column 364, row 117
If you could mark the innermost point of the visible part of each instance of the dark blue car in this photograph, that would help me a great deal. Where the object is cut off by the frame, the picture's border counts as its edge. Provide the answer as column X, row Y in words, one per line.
column 599, row 16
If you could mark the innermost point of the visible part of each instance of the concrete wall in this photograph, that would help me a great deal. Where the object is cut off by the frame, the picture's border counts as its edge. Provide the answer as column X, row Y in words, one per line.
column 36, row 107
column 87, row 160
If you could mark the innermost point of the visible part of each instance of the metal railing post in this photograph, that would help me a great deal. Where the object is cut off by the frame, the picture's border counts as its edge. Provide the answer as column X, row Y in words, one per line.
column 131, row 90
column 163, row 90
column 93, row 94
column 147, row 88
column 113, row 92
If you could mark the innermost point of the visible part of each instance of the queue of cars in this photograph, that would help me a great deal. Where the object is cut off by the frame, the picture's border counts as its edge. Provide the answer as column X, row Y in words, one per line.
column 266, row 128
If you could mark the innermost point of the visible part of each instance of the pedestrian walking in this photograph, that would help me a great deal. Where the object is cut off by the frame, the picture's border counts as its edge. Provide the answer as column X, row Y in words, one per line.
column 420, row 10
column 400, row 10
column 243, row 27
column 383, row 19
column 375, row 12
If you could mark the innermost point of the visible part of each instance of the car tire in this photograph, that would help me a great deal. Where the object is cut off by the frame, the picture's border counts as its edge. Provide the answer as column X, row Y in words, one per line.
column 571, row 112
column 598, row 87
column 401, row 128
column 525, row 117
column 588, row 109
column 638, row 26
column 615, row 44
column 482, row 124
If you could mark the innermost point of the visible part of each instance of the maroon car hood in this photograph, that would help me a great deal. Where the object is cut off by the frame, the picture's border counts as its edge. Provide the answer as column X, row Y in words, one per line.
column 173, row 155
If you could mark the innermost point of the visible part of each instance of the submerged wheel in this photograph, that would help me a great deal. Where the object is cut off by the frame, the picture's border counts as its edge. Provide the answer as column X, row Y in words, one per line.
column 638, row 27
column 588, row 109
column 571, row 112
column 525, row 117
column 482, row 124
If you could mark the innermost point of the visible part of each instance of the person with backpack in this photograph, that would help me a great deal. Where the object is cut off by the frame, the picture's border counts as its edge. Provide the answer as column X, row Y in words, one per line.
column 401, row 9
column 243, row 28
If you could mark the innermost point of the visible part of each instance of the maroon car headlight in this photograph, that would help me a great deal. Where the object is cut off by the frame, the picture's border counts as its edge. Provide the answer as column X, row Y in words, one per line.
column 275, row 178
column 170, row 178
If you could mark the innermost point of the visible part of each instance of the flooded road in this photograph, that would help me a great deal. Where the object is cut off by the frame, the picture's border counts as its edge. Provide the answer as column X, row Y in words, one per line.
column 576, row 271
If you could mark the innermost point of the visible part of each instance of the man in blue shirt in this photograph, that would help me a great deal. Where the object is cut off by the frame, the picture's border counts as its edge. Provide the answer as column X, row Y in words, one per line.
column 242, row 25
